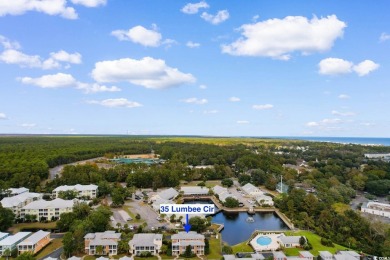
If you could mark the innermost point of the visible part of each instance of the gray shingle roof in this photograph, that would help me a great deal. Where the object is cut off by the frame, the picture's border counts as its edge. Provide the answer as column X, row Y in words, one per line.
column 290, row 239
column 168, row 194
column 35, row 238
column 189, row 235
column 144, row 239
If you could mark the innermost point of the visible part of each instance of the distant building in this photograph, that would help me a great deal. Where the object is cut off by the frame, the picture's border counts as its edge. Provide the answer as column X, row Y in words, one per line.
column 251, row 190
column 168, row 194
column 346, row 255
column 378, row 156
column 10, row 243
column 181, row 240
column 325, row 255
column 88, row 191
column 306, row 255
column 222, row 193
column 194, row 190
column 106, row 241
column 247, row 257
column 16, row 191
column 290, row 241
column 376, row 208
column 17, row 202
column 279, row 255
column 146, row 242
column 47, row 210
column 264, row 200
column 34, row 243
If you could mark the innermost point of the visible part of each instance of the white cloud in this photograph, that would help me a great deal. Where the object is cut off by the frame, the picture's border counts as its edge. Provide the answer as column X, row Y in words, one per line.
column 8, row 44
column 140, row 35
column 58, row 80
column 278, row 38
column 28, row 125
column 327, row 123
column 241, row 122
column 202, row 86
column 89, row 3
column 234, row 99
column 64, row 56
column 50, row 7
column 194, row 8
column 384, row 37
column 3, row 116
column 343, row 96
column 116, row 102
column 195, row 101
column 255, row 18
column 96, row 88
column 263, row 107
column 365, row 67
column 16, row 57
column 210, row 111
column 220, row 17
column 147, row 72
column 334, row 66
column 337, row 113
column 191, row 44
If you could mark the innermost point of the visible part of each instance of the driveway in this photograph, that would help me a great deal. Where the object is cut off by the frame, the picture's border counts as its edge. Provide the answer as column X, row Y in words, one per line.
column 241, row 198
column 55, row 254
column 146, row 213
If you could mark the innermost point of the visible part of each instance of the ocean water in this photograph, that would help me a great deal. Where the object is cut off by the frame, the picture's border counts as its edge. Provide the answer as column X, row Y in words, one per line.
column 344, row 140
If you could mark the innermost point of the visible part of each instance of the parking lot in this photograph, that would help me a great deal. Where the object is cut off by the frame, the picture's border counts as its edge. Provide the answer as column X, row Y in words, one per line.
column 146, row 212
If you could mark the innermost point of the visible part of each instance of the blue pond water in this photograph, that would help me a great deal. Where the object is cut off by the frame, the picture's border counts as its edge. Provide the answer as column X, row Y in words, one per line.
column 264, row 241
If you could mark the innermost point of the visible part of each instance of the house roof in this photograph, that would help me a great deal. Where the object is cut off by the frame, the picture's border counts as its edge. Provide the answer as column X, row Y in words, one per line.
column 77, row 187
column 50, row 258
column 106, row 235
column 325, row 254
column 35, row 238
column 229, row 257
column 74, row 258
column 279, row 254
column 50, row 204
column 3, row 235
column 18, row 190
column 189, row 235
column 125, row 258
column 225, row 195
column 306, row 254
column 350, row 253
column 290, row 239
column 263, row 197
column 14, row 201
column 102, row 258
column 218, row 189
column 189, row 190
column 257, row 256
column 168, row 194
column 250, row 188
column 11, row 240
column 145, row 239
column 102, row 242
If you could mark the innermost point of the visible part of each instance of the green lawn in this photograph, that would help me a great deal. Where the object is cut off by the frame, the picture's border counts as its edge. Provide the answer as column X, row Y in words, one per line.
column 17, row 227
column 242, row 247
column 89, row 257
column 314, row 240
column 146, row 258
column 215, row 248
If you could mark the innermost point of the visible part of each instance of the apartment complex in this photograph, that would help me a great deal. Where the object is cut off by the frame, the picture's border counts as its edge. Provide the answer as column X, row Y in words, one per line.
column 35, row 242
column 102, row 243
column 146, row 242
column 10, row 243
column 376, row 208
column 47, row 210
column 83, row 191
column 17, row 202
column 181, row 240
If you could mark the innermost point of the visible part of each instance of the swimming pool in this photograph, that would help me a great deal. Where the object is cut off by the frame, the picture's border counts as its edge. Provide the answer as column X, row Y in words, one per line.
column 264, row 240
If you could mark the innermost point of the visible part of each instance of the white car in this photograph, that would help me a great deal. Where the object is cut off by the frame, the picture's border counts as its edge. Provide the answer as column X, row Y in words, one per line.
column 131, row 227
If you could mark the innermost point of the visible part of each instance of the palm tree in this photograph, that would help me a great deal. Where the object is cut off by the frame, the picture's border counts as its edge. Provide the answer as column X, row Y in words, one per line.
column 118, row 225
column 7, row 252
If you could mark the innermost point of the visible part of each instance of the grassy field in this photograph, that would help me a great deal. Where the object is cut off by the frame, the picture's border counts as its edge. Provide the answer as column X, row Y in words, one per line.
column 315, row 241
column 146, row 258
column 35, row 225
column 215, row 248
column 209, row 184
column 54, row 244
column 242, row 247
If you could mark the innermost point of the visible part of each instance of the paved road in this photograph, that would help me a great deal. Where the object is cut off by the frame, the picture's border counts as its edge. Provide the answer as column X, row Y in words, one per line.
column 55, row 254
column 53, row 172
column 241, row 198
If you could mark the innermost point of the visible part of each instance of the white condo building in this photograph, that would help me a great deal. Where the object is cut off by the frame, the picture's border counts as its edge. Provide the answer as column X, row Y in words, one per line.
column 47, row 209
column 89, row 191
column 376, row 208
column 17, row 202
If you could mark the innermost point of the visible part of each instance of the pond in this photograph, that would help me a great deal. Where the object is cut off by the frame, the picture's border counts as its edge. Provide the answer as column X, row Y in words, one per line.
column 239, row 228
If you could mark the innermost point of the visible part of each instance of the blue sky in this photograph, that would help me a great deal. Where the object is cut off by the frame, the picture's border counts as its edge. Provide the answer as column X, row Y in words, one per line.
column 224, row 68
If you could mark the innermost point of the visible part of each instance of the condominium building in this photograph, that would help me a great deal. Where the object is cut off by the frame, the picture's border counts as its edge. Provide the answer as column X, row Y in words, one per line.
column 376, row 208
column 251, row 190
column 145, row 242
column 17, row 202
column 10, row 243
column 194, row 190
column 35, row 242
column 47, row 210
column 102, row 243
column 87, row 191
column 181, row 240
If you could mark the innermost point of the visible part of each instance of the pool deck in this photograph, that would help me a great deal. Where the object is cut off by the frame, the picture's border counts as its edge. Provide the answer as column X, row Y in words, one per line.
column 274, row 245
